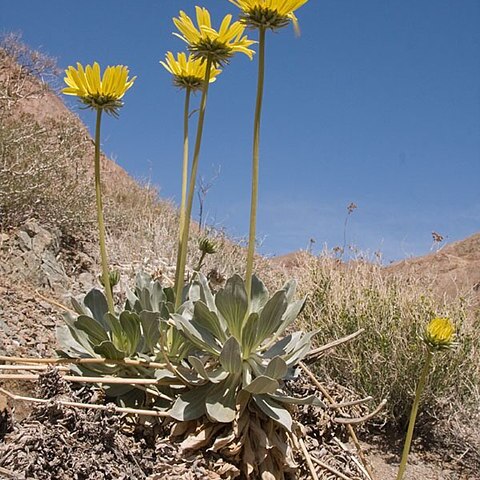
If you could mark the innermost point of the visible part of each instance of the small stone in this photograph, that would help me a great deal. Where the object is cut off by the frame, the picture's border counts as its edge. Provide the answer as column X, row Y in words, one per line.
column 24, row 241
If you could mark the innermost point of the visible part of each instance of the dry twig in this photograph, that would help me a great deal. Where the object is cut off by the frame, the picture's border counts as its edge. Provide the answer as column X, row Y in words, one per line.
column 8, row 473
column 350, row 430
column 313, row 354
column 80, row 379
column 76, row 361
column 66, row 403
column 359, row 420
column 308, row 459
column 330, row 469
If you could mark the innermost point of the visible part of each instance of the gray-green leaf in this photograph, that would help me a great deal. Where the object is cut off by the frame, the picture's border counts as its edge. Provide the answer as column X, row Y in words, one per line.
column 190, row 405
column 262, row 384
column 277, row 368
column 232, row 304
column 96, row 302
column 231, row 356
column 220, row 401
column 95, row 331
column 273, row 410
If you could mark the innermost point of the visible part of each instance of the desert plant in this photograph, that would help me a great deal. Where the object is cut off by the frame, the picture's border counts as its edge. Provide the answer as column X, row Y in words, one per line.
column 241, row 365
column 215, row 49
column 188, row 74
column 439, row 335
column 26, row 73
column 95, row 333
column 38, row 173
column 99, row 94
column 262, row 15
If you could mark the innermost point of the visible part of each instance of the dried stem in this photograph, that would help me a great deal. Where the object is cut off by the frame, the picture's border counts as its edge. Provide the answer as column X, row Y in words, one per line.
column 337, row 406
column 31, row 367
column 76, row 361
column 317, row 351
column 8, row 473
column 359, row 420
column 54, row 302
column 308, row 459
column 87, row 406
column 354, row 459
column 330, row 469
column 350, row 430
column 80, row 379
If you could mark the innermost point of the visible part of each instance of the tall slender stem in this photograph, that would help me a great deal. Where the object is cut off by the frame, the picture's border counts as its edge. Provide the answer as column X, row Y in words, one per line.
column 413, row 415
column 184, row 179
column 101, row 225
column 255, row 161
column 180, row 272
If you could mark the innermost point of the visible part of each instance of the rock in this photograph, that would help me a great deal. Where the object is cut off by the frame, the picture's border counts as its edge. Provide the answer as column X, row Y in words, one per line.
column 24, row 241
column 33, row 257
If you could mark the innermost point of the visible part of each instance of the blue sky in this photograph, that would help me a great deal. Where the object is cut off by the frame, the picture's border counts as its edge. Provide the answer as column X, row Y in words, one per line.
column 377, row 103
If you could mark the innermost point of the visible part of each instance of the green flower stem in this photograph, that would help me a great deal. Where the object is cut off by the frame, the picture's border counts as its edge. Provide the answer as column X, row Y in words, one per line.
column 182, row 257
column 255, row 161
column 413, row 415
column 184, row 179
column 101, row 225
column 200, row 264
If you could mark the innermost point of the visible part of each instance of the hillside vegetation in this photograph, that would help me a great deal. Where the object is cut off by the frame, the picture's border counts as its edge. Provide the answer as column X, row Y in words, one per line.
column 46, row 175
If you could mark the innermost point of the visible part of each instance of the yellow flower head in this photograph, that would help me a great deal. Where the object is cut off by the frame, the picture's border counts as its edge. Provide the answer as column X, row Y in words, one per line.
column 439, row 334
column 206, row 42
column 271, row 14
column 188, row 72
column 95, row 91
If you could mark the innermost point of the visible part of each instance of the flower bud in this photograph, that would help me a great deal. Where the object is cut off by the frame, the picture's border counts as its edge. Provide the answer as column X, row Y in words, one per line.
column 207, row 246
column 439, row 334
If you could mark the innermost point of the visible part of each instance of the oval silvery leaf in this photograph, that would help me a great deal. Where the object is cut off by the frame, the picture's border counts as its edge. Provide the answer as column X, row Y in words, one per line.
column 130, row 324
column 261, row 385
column 273, row 410
column 109, row 350
column 96, row 302
column 96, row 333
column 190, row 405
column 277, row 368
column 210, row 320
column 197, row 334
column 271, row 315
column 232, row 304
column 259, row 295
column 220, row 401
column 231, row 356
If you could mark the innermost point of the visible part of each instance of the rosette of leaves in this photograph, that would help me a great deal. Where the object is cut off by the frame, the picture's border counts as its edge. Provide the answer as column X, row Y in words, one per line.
column 242, row 362
column 150, row 296
column 134, row 334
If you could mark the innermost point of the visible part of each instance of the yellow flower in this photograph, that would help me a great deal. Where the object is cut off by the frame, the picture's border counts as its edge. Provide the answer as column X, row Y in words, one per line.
column 439, row 334
column 272, row 14
column 206, row 42
column 188, row 72
column 95, row 91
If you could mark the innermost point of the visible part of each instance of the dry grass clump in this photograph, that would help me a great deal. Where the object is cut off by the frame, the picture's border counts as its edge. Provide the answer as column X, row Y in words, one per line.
column 385, row 360
column 40, row 175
